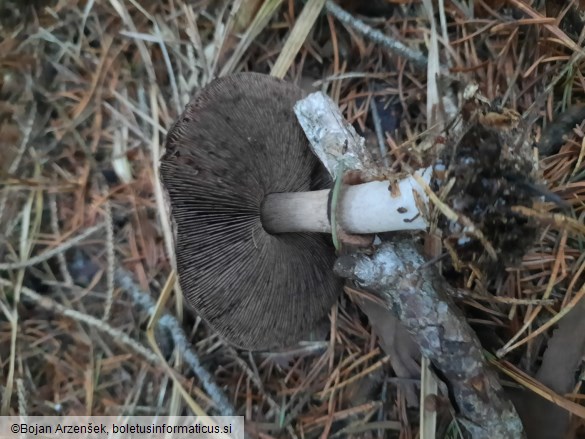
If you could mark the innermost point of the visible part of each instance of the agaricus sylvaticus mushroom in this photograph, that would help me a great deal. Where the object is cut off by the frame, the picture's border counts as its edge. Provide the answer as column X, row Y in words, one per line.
column 239, row 173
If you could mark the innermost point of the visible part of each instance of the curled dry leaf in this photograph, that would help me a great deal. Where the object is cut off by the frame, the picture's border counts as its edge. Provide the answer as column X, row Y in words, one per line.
column 397, row 343
column 566, row 348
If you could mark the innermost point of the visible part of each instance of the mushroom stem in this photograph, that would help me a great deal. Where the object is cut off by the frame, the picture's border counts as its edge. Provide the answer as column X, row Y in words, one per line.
column 296, row 212
column 364, row 208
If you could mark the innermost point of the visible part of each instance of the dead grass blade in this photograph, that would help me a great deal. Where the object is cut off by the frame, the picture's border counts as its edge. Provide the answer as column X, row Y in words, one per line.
column 29, row 230
column 154, row 319
column 269, row 7
column 297, row 37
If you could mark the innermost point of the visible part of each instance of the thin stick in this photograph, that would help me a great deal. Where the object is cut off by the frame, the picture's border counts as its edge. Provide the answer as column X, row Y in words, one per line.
column 26, row 130
column 111, row 261
column 171, row 324
column 150, row 335
column 22, row 401
column 391, row 44
column 55, row 229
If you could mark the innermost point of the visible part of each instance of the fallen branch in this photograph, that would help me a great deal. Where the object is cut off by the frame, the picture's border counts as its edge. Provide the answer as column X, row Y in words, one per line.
column 418, row 296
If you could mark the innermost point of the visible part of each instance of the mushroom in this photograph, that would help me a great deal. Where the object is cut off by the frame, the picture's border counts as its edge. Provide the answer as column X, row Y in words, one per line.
column 246, row 195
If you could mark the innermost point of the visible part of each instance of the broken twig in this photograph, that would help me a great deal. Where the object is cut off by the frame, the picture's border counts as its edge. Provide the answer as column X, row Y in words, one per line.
column 375, row 35
column 419, row 298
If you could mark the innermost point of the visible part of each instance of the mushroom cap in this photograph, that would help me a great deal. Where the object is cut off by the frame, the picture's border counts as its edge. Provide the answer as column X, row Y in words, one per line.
column 237, row 141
